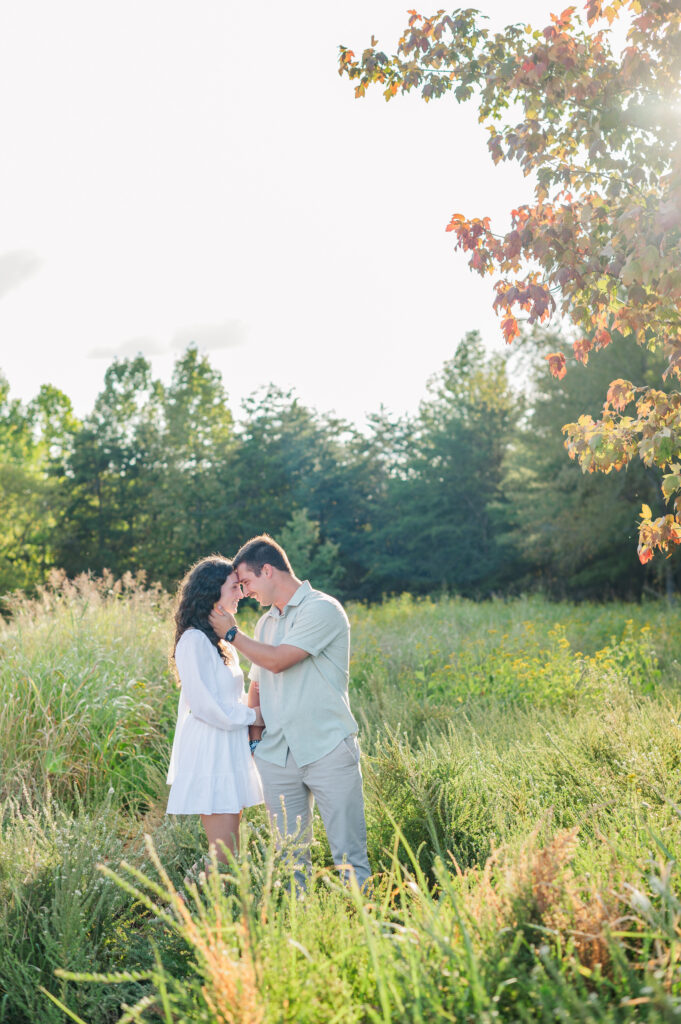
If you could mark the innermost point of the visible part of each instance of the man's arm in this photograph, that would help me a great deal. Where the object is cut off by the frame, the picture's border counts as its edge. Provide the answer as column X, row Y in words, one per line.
column 273, row 657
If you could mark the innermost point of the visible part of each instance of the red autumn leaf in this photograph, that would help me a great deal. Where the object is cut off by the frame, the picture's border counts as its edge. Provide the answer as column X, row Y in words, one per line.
column 509, row 326
column 457, row 220
column 602, row 338
column 556, row 361
column 620, row 393
column 593, row 10
column 581, row 350
column 513, row 245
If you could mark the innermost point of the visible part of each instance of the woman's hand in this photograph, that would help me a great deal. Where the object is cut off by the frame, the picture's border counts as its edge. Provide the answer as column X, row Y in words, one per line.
column 259, row 720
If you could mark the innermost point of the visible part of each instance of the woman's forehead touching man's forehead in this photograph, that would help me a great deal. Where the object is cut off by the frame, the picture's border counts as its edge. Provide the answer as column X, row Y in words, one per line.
column 245, row 572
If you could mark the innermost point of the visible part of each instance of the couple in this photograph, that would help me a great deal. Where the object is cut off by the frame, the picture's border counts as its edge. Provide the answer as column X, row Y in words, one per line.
column 299, row 677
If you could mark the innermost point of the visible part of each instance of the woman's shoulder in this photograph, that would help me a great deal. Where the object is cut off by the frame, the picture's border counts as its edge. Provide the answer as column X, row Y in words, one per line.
column 193, row 638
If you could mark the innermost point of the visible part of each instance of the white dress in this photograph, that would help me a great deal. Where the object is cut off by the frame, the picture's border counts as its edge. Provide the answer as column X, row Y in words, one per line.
column 211, row 768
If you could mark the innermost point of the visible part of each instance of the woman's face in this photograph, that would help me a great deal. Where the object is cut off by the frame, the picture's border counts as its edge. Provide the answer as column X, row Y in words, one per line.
column 230, row 594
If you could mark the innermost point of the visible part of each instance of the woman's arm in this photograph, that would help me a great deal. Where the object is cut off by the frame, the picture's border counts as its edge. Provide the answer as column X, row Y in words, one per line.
column 192, row 657
column 254, row 731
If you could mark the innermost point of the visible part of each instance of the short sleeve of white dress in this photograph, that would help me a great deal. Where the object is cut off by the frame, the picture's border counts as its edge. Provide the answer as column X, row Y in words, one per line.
column 211, row 767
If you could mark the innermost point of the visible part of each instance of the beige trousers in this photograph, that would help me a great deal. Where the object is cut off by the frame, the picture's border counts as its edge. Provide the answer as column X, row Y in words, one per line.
column 335, row 782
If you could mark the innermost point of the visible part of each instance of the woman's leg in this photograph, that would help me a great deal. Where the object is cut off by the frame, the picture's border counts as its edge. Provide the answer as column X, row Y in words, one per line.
column 222, row 830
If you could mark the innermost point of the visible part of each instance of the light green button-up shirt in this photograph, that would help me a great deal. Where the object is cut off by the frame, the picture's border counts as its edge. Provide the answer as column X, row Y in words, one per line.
column 306, row 707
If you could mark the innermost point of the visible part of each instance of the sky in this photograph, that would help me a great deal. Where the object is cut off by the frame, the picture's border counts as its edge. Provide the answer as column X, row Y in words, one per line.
column 179, row 172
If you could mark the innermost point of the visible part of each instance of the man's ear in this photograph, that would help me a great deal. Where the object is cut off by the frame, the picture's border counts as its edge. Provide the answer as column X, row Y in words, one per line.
column 267, row 569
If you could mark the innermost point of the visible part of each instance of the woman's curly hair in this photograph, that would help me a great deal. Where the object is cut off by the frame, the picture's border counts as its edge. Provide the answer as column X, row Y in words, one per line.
column 196, row 595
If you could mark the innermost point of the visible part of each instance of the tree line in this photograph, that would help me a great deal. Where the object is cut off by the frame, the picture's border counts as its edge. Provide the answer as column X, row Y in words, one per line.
column 473, row 494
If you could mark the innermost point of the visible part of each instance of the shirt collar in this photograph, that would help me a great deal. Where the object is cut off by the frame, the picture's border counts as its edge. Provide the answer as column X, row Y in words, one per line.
column 299, row 595
column 302, row 591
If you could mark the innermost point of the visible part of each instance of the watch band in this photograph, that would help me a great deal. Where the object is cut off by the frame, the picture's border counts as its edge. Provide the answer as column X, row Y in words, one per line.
column 230, row 634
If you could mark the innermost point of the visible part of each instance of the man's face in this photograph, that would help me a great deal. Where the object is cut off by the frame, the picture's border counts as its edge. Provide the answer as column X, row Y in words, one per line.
column 259, row 587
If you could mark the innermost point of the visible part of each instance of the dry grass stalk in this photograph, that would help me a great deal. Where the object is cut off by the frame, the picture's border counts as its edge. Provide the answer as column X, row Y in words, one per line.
column 231, row 989
column 538, row 886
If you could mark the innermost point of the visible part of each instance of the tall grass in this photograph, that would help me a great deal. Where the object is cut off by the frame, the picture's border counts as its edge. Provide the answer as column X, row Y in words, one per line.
column 523, row 937
column 86, row 690
column 522, row 766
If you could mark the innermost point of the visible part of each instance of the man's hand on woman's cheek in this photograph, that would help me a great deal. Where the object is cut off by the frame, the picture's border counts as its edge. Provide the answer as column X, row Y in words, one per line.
column 221, row 621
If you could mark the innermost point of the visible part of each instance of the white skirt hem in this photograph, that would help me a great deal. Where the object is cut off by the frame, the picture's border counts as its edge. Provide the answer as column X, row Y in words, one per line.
column 219, row 810
column 222, row 794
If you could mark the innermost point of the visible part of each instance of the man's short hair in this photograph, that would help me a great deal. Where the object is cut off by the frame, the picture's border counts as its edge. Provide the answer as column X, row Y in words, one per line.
column 262, row 550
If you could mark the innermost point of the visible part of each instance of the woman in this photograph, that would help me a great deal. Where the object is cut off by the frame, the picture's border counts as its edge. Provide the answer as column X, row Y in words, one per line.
column 211, row 769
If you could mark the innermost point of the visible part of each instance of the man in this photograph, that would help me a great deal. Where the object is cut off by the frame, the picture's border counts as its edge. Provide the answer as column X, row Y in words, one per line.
column 300, row 660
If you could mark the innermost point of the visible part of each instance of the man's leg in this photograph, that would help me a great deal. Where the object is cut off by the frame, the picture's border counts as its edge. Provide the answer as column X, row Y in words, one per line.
column 336, row 783
column 289, row 805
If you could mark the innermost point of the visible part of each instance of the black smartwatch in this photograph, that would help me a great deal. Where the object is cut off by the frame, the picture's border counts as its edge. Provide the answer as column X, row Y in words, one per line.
column 230, row 634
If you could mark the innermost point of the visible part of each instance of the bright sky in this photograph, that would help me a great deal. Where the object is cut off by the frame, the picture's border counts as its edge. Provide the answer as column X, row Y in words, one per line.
column 177, row 171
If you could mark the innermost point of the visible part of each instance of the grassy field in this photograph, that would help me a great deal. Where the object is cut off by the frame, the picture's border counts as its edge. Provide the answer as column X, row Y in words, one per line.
column 522, row 763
